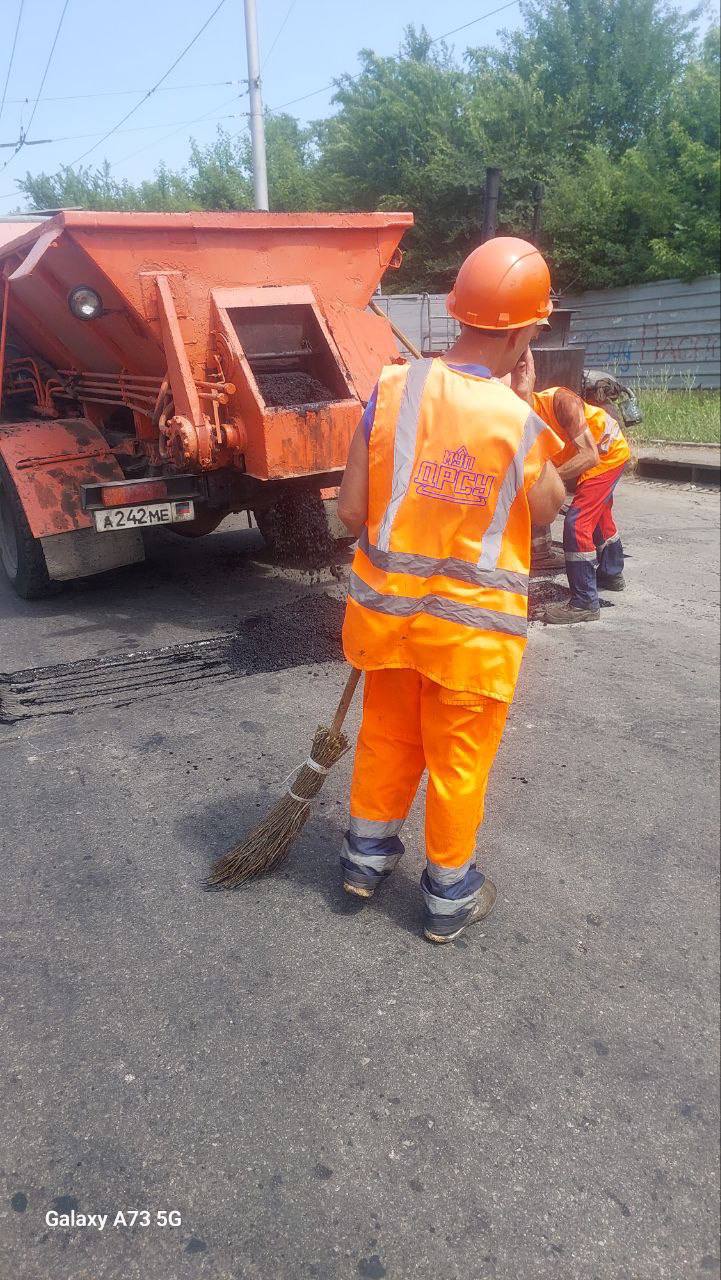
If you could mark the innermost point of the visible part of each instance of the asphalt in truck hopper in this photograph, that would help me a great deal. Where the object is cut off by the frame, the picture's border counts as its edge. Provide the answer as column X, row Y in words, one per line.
column 293, row 390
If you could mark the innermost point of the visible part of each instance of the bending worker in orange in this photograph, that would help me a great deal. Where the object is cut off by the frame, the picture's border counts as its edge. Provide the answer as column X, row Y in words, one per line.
column 592, row 462
column 445, row 474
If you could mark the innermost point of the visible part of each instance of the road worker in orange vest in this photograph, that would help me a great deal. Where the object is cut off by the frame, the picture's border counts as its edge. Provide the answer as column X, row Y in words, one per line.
column 446, row 472
column 545, row 556
column 591, row 464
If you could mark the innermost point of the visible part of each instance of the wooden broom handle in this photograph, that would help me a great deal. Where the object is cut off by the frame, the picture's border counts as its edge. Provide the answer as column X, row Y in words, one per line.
column 346, row 698
column 398, row 332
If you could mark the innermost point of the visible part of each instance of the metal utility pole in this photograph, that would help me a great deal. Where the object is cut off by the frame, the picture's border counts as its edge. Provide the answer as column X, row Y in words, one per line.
column 257, row 124
column 490, row 204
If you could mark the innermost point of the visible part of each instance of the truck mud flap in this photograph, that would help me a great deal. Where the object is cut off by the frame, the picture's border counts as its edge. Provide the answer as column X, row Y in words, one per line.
column 83, row 552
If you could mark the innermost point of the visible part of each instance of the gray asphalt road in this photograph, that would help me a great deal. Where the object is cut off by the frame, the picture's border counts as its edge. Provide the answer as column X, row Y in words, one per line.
column 311, row 1088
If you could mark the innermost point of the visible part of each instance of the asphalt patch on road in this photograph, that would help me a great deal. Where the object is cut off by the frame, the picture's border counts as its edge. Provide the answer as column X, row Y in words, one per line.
column 542, row 592
column 304, row 633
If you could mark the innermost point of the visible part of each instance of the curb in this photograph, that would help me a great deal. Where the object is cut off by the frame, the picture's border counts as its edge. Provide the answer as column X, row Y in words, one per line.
column 682, row 472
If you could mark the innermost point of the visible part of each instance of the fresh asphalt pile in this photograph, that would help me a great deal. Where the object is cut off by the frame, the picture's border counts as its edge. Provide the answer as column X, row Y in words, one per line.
column 306, row 632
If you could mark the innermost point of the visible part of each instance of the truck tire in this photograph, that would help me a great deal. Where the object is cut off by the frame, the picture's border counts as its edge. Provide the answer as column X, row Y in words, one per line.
column 20, row 553
column 296, row 526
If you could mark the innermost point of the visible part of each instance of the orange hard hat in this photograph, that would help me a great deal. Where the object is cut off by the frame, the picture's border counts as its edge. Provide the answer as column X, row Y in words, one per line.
column 504, row 284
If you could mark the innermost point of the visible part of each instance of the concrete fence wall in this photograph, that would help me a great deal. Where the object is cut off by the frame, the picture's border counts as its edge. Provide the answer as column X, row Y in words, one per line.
column 667, row 333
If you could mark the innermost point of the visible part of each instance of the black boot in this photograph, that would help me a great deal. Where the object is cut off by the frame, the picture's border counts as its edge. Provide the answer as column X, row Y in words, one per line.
column 567, row 613
column 611, row 581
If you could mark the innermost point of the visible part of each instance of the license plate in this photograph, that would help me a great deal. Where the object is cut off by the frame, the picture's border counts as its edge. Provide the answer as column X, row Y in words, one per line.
column 147, row 516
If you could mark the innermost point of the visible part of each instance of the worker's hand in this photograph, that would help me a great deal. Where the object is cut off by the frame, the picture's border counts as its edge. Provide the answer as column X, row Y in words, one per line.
column 546, row 496
column 523, row 377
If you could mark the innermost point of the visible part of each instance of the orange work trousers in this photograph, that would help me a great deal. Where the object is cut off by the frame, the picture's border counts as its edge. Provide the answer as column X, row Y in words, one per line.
column 411, row 725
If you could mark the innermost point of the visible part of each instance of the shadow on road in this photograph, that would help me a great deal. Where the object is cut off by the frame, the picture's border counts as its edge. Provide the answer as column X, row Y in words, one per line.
column 185, row 588
column 312, row 863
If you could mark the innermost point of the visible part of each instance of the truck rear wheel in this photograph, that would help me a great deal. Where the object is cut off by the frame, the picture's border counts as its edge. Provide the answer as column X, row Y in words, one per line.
column 21, row 554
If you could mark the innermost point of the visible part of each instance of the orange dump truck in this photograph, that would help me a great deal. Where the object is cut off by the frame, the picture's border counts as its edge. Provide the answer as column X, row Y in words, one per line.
column 168, row 369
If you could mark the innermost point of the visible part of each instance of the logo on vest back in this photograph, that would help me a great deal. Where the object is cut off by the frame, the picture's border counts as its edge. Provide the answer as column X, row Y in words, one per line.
column 455, row 479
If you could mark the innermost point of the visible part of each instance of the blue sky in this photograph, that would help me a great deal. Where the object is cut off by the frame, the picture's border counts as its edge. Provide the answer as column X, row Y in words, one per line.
column 109, row 47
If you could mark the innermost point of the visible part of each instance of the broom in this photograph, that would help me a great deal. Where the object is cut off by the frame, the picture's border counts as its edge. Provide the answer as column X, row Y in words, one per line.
column 401, row 336
column 269, row 843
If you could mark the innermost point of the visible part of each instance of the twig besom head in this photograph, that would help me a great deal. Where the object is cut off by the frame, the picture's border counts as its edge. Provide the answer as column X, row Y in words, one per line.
column 266, row 846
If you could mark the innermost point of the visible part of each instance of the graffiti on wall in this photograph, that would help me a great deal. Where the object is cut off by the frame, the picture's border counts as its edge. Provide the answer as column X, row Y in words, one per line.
column 654, row 348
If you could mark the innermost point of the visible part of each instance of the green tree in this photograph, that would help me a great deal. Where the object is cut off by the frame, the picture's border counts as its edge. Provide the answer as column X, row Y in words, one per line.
column 400, row 140
column 292, row 158
column 603, row 67
column 217, row 176
column 653, row 212
column 686, row 151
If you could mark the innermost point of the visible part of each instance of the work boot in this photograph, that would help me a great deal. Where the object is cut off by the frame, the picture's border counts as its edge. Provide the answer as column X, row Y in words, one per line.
column 363, row 884
column 548, row 560
column 566, row 613
column 359, row 890
column 481, row 908
column 611, row 581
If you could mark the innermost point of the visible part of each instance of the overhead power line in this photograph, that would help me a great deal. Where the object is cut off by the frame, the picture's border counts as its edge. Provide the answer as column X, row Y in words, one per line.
column 510, row 4
column 157, row 142
column 127, row 93
column 12, row 54
column 78, row 137
column 117, row 128
column 17, row 195
column 278, row 34
column 58, row 29
column 61, row 19
column 313, row 94
column 154, row 88
column 473, row 22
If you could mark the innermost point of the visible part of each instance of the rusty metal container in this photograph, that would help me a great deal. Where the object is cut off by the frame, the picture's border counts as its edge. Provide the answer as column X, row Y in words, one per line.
column 557, row 363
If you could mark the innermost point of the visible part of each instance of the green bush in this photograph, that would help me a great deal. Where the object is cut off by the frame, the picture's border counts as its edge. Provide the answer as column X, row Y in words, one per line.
column 680, row 416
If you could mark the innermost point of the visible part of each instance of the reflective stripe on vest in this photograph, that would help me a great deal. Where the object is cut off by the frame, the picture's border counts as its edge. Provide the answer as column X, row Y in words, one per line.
column 466, row 615
column 429, row 567
column 610, row 435
column 404, row 448
column 404, row 445
column 508, row 492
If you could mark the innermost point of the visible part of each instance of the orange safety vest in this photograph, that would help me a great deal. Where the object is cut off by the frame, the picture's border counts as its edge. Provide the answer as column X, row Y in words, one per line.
column 613, row 448
column 439, row 583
